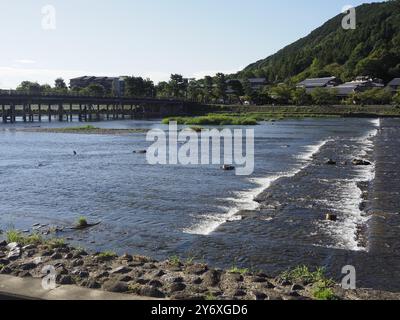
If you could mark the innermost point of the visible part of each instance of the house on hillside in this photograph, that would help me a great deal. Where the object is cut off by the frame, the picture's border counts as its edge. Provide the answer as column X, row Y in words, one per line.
column 257, row 84
column 358, row 85
column 394, row 85
column 313, row 83
column 110, row 84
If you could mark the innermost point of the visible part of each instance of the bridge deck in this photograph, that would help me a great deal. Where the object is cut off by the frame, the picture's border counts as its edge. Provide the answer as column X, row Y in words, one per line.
column 30, row 108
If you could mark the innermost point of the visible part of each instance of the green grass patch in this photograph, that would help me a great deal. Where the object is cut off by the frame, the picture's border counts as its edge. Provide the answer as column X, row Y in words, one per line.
column 322, row 287
column 321, row 292
column 34, row 239
column 1, row 266
column 16, row 236
column 56, row 243
column 210, row 297
column 82, row 128
column 242, row 271
column 174, row 261
column 213, row 120
column 107, row 255
column 82, row 222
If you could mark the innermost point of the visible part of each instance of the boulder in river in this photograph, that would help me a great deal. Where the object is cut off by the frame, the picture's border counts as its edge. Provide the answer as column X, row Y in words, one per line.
column 331, row 217
column 360, row 162
column 331, row 162
column 227, row 167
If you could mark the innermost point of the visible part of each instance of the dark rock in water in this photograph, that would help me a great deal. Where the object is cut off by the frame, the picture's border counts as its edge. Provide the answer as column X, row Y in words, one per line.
column 331, row 217
column 140, row 151
column 359, row 162
column 331, row 162
column 227, row 167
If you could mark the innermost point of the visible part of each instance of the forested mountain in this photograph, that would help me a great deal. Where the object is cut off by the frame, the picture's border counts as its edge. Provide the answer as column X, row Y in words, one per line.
column 373, row 48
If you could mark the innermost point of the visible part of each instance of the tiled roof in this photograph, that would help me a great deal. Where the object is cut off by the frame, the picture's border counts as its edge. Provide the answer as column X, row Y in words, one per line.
column 316, row 82
column 394, row 82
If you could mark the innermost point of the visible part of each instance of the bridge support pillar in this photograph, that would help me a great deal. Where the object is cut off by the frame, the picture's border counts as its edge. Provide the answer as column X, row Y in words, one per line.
column 40, row 112
column 24, row 112
column 49, row 112
column 60, row 112
column 3, row 114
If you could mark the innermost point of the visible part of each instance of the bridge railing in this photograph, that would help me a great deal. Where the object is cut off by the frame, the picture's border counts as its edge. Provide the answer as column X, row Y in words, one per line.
column 22, row 93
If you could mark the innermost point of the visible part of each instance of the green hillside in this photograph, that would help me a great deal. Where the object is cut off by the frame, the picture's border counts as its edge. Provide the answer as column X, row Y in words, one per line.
column 372, row 49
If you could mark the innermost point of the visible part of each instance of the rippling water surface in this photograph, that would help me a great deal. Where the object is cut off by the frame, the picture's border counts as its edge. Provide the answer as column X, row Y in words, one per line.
column 196, row 210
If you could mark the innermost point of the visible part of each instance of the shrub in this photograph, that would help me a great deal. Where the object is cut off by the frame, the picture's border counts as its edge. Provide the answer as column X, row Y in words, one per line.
column 82, row 222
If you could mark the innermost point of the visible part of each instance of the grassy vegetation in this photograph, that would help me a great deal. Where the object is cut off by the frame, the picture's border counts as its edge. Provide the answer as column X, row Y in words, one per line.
column 16, row 236
column 1, row 266
column 322, row 287
column 174, row 261
column 242, row 271
column 214, row 120
column 210, row 297
column 106, row 255
column 82, row 128
column 82, row 222
column 34, row 239
column 56, row 243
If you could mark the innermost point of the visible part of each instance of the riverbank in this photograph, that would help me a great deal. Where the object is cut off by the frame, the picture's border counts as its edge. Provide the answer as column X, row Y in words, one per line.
column 170, row 279
column 275, row 112
column 83, row 130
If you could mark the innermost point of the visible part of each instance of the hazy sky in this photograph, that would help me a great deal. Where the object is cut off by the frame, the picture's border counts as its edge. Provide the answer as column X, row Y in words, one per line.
column 150, row 38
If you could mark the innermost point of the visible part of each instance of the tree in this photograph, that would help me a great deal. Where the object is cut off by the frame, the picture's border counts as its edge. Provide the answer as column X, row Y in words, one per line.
column 163, row 89
column 59, row 83
column 220, row 86
column 194, row 91
column 178, row 85
column 323, row 96
column 30, row 87
column 134, row 87
column 300, row 96
column 396, row 98
column 94, row 89
column 46, row 89
column 281, row 93
column 374, row 96
column 208, row 89
column 237, row 88
column 247, row 89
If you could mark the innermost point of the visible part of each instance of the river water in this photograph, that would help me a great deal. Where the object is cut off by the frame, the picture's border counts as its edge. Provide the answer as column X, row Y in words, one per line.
column 269, row 221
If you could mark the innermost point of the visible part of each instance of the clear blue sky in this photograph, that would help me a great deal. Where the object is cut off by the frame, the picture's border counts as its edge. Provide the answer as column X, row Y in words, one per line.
column 150, row 38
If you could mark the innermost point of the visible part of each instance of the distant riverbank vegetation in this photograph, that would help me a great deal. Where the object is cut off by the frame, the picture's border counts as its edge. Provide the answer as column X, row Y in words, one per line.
column 215, row 90
column 214, row 119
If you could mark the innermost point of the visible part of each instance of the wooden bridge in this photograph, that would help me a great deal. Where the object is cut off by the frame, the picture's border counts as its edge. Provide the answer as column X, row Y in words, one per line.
column 30, row 108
